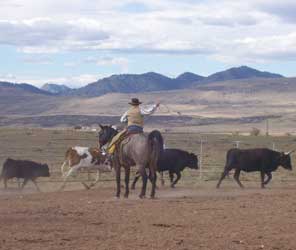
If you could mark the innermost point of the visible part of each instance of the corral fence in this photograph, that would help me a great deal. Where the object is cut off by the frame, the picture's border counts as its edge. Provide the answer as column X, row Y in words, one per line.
column 211, row 155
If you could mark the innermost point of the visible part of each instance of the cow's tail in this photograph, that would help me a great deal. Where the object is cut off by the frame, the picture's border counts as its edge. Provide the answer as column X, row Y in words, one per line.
column 2, row 174
column 155, row 141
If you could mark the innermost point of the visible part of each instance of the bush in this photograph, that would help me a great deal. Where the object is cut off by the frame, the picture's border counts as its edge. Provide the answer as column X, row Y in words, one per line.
column 235, row 133
column 255, row 132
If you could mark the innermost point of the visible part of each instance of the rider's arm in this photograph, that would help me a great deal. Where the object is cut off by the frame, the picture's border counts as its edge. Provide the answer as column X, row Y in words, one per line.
column 148, row 110
column 123, row 118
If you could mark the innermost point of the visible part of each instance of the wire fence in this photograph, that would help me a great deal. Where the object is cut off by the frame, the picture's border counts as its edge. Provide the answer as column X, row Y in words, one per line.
column 211, row 155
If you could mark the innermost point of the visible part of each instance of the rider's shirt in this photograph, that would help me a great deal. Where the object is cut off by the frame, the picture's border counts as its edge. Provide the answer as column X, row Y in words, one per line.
column 135, row 115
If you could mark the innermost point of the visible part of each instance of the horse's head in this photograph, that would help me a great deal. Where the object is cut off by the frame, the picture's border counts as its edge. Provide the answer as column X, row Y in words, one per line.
column 106, row 134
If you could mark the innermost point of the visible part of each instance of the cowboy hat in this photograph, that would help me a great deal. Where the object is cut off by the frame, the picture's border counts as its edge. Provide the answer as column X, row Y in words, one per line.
column 135, row 101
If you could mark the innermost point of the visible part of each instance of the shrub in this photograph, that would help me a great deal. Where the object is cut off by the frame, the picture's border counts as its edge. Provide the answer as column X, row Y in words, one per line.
column 255, row 132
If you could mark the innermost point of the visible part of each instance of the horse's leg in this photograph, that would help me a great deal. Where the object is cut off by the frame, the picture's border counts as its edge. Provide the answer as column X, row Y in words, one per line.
column 133, row 186
column 153, row 177
column 117, row 170
column 144, row 179
column 126, row 179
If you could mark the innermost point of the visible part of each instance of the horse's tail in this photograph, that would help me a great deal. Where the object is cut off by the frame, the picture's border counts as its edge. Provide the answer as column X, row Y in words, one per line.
column 155, row 141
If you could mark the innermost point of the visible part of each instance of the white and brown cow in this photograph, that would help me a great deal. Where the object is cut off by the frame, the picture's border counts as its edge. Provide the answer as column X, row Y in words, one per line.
column 83, row 157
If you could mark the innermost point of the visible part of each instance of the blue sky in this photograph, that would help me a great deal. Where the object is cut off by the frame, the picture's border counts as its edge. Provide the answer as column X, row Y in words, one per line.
column 75, row 42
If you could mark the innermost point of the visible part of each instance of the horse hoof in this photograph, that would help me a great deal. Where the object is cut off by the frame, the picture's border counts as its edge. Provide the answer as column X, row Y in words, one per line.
column 142, row 196
column 126, row 196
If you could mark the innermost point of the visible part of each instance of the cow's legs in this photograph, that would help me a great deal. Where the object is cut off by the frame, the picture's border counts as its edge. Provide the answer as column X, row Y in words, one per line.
column 126, row 179
column 269, row 177
column 18, row 183
column 62, row 167
column 171, row 174
column 34, row 181
column 162, row 178
column 262, row 174
column 133, row 186
column 24, row 183
column 95, row 182
column 5, row 182
column 177, row 179
column 143, row 173
column 73, row 170
column 223, row 175
column 236, row 177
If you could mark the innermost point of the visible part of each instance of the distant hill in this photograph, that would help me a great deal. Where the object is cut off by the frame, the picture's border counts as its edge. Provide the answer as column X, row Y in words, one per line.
column 242, row 72
column 8, row 88
column 137, row 83
column 127, row 83
column 186, row 79
column 55, row 88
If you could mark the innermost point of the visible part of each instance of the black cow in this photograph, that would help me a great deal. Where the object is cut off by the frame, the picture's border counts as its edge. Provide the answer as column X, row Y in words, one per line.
column 263, row 160
column 27, row 170
column 174, row 161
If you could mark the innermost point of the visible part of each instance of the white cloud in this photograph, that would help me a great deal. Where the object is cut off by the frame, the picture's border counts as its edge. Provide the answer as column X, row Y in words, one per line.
column 7, row 77
column 227, row 30
column 38, row 59
column 71, row 81
column 47, row 35
column 122, row 62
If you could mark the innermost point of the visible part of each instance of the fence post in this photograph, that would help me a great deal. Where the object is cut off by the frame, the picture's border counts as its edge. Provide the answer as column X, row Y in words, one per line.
column 237, row 143
column 201, row 159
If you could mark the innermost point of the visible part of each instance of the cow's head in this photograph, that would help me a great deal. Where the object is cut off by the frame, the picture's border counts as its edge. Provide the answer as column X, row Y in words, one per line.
column 285, row 160
column 192, row 161
column 106, row 134
column 44, row 170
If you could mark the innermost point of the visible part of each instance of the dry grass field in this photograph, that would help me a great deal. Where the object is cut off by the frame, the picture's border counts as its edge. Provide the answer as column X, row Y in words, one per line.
column 194, row 215
column 236, row 105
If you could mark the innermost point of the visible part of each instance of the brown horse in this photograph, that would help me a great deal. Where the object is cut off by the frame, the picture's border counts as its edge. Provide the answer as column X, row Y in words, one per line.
column 138, row 150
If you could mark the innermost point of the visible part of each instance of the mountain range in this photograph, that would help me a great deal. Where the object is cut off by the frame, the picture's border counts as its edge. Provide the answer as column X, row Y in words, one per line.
column 55, row 88
column 137, row 83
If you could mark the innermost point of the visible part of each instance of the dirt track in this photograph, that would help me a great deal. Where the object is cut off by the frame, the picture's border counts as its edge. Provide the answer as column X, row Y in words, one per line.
column 199, row 218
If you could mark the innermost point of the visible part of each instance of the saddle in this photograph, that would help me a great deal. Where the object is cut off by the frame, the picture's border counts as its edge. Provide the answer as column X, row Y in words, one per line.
column 121, row 137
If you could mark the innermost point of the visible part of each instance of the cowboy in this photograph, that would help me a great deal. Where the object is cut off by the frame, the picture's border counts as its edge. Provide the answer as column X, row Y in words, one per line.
column 134, row 118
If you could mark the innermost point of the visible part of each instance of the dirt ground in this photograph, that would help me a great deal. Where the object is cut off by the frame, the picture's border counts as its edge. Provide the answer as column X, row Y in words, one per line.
column 194, row 215
column 181, row 218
